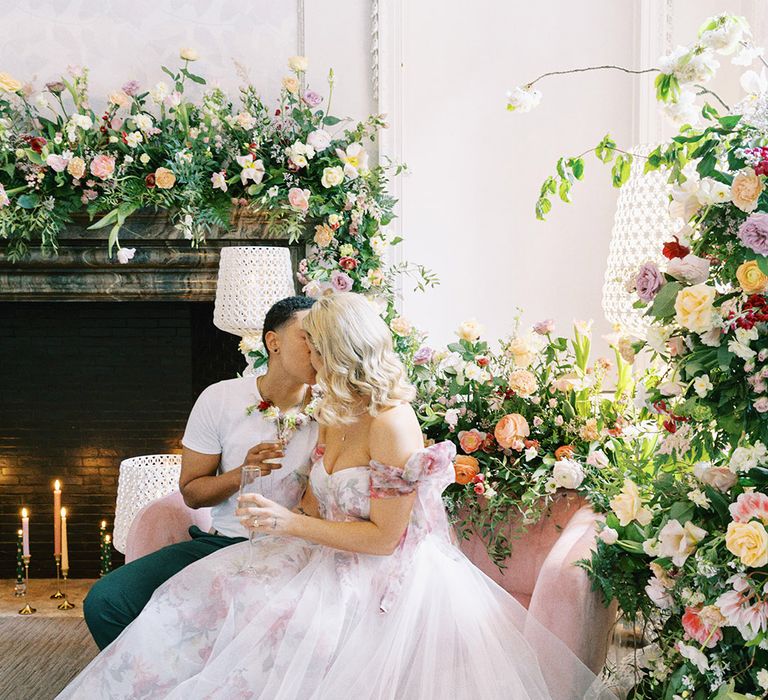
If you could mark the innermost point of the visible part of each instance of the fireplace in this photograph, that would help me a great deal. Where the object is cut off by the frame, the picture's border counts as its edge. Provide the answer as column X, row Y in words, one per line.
column 100, row 362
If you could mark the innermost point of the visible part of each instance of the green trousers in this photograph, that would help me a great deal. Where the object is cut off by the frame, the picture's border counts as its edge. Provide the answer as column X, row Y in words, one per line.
column 117, row 599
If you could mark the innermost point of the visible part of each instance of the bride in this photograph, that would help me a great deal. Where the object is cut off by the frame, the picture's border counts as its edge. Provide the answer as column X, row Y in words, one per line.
column 358, row 591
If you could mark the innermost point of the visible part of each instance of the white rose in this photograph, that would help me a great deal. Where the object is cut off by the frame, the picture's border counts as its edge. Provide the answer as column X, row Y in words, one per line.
column 187, row 54
column 332, row 176
column 298, row 64
column 568, row 474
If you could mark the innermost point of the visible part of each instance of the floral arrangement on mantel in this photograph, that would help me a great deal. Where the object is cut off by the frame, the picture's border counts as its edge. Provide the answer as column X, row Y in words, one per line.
column 527, row 419
column 685, row 545
column 153, row 147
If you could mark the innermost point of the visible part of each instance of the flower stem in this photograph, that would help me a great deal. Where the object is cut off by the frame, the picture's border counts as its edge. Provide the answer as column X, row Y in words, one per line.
column 592, row 68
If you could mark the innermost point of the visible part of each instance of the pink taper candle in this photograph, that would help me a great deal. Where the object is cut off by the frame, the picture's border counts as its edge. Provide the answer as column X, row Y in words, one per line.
column 56, row 518
column 64, row 548
column 25, row 531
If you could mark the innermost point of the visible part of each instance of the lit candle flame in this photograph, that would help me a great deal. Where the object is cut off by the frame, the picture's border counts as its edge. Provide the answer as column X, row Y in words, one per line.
column 24, row 513
column 21, row 532
column 57, row 485
column 63, row 512
column 104, row 523
column 107, row 539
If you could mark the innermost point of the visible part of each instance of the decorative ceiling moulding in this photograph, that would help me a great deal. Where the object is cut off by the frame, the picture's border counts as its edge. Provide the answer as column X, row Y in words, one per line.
column 164, row 268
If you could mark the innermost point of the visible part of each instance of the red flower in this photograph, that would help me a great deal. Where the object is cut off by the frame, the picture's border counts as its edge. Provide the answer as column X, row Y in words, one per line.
column 670, row 425
column 673, row 249
column 36, row 143
column 482, row 361
column 149, row 181
column 531, row 443
column 264, row 405
column 479, row 488
column 489, row 444
column 348, row 263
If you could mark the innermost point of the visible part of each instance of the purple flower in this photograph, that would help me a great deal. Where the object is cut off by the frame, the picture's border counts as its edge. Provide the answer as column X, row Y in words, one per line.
column 753, row 233
column 649, row 281
column 544, row 327
column 131, row 87
column 312, row 98
column 423, row 355
column 341, row 281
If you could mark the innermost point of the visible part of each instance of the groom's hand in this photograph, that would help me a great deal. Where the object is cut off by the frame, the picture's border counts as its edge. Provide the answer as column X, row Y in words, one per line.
column 264, row 450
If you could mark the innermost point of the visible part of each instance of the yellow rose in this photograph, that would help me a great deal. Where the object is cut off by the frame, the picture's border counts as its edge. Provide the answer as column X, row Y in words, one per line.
column 323, row 235
column 8, row 83
column 470, row 330
column 751, row 278
column 164, row 178
column 628, row 505
column 298, row 64
column 188, row 54
column 401, row 326
column 749, row 542
column 746, row 189
column 291, row 84
column 693, row 307
column 76, row 167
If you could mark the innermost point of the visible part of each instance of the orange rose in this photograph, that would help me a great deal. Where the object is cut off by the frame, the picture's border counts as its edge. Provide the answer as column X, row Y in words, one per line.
column 564, row 452
column 511, row 429
column 466, row 468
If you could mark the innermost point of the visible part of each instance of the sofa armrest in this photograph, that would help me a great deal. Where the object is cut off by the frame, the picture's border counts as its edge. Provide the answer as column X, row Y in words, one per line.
column 162, row 522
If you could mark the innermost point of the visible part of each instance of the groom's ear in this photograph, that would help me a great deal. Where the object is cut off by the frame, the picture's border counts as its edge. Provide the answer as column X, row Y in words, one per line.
column 272, row 342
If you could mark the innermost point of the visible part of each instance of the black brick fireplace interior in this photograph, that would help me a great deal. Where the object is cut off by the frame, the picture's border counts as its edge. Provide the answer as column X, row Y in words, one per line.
column 84, row 385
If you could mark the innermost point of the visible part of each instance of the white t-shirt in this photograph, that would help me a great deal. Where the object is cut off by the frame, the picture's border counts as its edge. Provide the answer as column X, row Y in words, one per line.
column 219, row 424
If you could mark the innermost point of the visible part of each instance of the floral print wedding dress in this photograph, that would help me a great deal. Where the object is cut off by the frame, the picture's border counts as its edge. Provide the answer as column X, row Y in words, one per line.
column 325, row 624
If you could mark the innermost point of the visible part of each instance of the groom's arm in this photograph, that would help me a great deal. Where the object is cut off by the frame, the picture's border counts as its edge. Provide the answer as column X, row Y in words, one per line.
column 200, row 483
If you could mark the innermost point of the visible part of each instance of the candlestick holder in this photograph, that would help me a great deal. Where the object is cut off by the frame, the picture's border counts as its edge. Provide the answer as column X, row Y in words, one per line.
column 58, row 594
column 27, row 609
column 65, row 604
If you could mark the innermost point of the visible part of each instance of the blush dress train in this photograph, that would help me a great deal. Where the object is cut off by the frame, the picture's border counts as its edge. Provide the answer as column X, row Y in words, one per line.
column 317, row 623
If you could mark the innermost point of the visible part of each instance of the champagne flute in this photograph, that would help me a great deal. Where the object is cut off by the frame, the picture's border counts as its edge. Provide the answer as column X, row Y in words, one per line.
column 250, row 482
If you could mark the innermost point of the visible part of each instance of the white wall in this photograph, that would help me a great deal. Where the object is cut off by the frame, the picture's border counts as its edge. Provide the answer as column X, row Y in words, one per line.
column 467, row 209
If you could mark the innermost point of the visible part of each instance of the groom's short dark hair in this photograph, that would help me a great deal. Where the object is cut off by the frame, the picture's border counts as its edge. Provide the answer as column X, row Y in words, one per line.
column 283, row 311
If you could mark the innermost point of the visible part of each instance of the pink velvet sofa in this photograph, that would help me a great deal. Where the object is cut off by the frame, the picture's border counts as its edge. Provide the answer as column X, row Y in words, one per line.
column 540, row 573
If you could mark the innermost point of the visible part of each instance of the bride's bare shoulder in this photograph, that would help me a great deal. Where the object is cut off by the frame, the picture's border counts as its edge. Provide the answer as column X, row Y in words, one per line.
column 395, row 435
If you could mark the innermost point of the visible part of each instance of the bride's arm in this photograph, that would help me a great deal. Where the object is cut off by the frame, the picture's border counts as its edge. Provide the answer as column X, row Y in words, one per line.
column 394, row 436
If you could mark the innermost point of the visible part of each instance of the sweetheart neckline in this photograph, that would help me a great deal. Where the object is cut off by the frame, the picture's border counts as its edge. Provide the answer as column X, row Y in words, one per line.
column 321, row 461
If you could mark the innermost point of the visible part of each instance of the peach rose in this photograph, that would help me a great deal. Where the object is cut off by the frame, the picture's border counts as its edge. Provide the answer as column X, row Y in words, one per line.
column 749, row 542
column 471, row 440
column 564, row 452
column 8, row 83
column 751, row 277
column 720, row 478
column 693, row 307
column 589, row 430
column 746, row 189
column 103, row 166
column 323, row 235
column 511, row 430
column 522, row 382
column 76, row 167
column 164, row 178
column 466, row 468
column 291, row 84
column 119, row 98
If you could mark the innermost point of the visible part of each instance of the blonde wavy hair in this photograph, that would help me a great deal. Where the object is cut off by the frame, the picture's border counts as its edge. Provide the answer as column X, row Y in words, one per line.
column 359, row 361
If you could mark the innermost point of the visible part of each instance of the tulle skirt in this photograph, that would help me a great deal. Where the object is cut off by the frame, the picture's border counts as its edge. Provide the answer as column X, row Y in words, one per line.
column 308, row 625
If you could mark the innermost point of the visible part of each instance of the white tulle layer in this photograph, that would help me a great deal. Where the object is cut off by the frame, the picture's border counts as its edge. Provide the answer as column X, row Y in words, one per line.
column 309, row 626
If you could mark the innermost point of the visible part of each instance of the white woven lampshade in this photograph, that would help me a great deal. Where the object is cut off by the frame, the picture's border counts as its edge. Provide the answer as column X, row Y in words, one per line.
column 641, row 227
column 141, row 481
column 251, row 279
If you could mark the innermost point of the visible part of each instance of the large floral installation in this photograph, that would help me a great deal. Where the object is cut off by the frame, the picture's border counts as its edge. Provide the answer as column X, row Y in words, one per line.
column 684, row 548
column 201, row 161
column 528, row 419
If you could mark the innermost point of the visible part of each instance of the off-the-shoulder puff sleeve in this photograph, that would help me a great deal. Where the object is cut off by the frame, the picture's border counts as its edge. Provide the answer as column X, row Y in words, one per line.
column 433, row 464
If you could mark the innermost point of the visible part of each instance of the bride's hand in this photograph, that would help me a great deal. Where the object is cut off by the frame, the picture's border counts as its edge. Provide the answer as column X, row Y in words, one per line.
column 259, row 514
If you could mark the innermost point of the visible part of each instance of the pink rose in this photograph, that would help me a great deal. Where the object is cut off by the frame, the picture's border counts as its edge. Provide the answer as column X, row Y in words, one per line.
column 720, row 478
column 544, row 327
column 691, row 269
column 648, row 282
column 298, row 198
column 103, row 166
column 761, row 405
column 341, row 281
column 749, row 506
column 57, row 163
column 471, row 440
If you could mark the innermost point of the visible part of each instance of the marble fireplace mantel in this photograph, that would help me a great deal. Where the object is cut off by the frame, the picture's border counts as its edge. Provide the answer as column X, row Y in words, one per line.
column 165, row 267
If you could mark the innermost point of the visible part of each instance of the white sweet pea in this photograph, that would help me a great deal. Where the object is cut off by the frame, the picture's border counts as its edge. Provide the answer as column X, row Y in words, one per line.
column 694, row 655
column 523, row 99
column 702, row 385
column 125, row 254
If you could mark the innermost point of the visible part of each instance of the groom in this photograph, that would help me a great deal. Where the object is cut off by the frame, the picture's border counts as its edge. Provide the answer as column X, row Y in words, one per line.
column 220, row 438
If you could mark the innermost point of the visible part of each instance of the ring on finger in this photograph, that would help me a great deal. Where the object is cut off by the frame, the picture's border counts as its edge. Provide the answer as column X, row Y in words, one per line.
column 255, row 521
